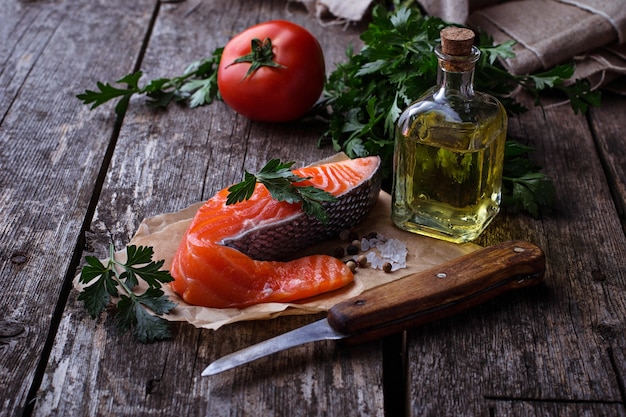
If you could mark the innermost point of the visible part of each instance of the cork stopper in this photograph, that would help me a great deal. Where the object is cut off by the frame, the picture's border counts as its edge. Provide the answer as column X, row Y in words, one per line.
column 457, row 48
column 457, row 41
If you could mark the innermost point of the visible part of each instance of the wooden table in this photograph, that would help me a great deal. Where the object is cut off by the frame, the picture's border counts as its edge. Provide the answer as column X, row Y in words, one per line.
column 73, row 179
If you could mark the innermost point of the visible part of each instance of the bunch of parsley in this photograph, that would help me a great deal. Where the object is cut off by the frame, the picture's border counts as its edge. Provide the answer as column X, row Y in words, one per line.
column 364, row 96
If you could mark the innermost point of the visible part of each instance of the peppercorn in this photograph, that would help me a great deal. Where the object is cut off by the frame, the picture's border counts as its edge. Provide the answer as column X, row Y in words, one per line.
column 387, row 267
column 351, row 265
column 361, row 261
column 338, row 252
column 352, row 249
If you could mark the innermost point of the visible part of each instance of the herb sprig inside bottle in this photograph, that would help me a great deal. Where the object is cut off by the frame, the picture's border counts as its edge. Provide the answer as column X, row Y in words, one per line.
column 281, row 182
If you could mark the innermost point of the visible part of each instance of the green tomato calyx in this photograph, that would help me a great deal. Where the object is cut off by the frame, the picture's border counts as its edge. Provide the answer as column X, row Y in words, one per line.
column 261, row 55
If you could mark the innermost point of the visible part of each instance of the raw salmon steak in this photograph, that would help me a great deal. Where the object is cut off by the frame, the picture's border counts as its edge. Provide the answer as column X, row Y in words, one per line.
column 242, row 254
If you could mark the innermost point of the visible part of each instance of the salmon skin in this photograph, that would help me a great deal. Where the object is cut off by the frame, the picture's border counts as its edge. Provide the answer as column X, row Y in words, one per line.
column 231, row 254
column 281, row 238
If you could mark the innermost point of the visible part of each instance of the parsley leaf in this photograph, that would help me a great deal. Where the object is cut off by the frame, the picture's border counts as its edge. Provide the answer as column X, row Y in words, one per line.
column 281, row 182
column 131, row 307
column 524, row 187
column 492, row 52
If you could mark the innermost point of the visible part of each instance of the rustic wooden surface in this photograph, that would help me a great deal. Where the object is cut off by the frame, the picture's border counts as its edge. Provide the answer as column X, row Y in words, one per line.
column 73, row 179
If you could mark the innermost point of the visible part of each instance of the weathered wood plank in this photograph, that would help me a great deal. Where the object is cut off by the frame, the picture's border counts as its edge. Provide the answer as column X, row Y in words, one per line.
column 50, row 159
column 165, row 161
column 547, row 344
column 556, row 350
column 556, row 408
column 607, row 125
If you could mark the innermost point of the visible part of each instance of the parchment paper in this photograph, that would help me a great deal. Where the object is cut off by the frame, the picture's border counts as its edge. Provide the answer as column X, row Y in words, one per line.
column 164, row 232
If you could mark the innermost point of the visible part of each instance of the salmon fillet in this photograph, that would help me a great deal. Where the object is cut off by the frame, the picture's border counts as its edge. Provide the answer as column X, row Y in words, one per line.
column 230, row 255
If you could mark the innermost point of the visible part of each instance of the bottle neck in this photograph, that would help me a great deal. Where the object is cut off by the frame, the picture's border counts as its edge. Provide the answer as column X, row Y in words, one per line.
column 456, row 73
column 462, row 82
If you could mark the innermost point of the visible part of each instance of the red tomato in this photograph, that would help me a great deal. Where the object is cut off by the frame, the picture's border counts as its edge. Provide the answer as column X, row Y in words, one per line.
column 279, row 93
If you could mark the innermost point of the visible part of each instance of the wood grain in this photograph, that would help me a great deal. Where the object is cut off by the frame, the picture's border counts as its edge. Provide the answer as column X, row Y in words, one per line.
column 546, row 348
column 72, row 180
column 52, row 152
column 164, row 161
column 439, row 292
column 607, row 126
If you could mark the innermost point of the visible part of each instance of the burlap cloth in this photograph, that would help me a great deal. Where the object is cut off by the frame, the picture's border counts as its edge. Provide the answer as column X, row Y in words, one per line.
column 592, row 33
column 336, row 11
column 548, row 32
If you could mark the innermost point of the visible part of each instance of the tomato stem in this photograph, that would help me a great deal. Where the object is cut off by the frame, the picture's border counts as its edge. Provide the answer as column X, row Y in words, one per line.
column 261, row 55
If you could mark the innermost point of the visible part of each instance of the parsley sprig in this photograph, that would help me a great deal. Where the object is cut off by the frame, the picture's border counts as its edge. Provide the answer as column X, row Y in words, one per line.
column 131, row 307
column 198, row 84
column 499, row 82
column 281, row 183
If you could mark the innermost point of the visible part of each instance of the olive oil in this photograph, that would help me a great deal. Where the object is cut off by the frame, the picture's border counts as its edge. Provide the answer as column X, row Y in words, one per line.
column 449, row 155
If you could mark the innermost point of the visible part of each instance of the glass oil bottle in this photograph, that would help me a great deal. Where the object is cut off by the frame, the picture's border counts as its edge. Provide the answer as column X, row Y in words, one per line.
column 449, row 150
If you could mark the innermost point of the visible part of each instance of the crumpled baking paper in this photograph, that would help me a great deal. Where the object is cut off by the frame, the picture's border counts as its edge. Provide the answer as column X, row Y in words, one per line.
column 164, row 232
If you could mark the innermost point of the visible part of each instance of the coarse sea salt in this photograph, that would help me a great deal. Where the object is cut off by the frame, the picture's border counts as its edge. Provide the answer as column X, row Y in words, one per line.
column 381, row 250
